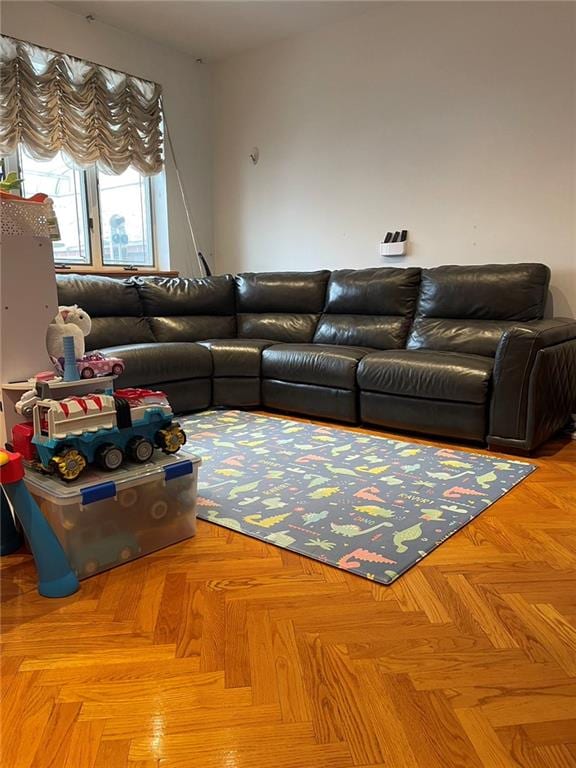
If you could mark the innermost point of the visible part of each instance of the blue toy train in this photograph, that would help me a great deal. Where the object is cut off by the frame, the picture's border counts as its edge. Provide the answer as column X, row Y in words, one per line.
column 65, row 436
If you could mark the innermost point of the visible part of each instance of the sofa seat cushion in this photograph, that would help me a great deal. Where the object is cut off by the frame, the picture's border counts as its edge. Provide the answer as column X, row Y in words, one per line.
column 157, row 363
column 323, row 364
column 236, row 357
column 427, row 374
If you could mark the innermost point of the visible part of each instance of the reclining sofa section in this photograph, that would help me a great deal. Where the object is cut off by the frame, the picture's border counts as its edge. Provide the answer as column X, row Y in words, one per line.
column 459, row 352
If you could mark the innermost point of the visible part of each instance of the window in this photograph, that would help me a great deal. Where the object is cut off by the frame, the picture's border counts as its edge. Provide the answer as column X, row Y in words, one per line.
column 125, row 219
column 67, row 187
column 106, row 221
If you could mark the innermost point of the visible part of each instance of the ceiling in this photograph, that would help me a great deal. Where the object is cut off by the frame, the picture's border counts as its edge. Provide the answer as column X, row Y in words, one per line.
column 215, row 29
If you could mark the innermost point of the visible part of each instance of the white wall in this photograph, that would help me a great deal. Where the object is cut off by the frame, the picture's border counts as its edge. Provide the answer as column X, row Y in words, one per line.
column 187, row 102
column 453, row 120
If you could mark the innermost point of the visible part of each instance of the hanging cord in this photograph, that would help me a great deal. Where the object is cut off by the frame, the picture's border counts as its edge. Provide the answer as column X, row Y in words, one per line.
column 204, row 268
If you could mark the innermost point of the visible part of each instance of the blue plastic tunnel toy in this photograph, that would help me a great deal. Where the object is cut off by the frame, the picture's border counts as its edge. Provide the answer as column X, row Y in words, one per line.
column 55, row 577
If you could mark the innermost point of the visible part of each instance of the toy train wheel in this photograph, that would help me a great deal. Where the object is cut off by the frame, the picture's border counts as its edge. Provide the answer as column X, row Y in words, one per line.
column 68, row 464
column 140, row 449
column 171, row 439
column 87, row 373
column 109, row 457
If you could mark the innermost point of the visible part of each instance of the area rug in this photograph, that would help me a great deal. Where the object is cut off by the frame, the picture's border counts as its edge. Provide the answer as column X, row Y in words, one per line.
column 366, row 504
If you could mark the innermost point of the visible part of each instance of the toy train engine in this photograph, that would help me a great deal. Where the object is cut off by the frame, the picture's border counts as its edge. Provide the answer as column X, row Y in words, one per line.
column 99, row 429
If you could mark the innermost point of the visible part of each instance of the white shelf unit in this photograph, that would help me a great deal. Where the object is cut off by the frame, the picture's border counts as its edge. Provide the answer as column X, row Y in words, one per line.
column 28, row 297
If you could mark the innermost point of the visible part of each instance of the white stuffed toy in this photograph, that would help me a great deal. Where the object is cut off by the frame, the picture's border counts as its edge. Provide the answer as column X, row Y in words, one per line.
column 70, row 321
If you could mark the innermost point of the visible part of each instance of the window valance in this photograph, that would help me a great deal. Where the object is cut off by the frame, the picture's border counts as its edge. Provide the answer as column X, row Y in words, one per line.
column 50, row 101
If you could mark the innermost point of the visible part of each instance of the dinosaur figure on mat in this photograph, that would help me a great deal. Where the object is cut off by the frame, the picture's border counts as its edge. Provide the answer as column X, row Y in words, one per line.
column 359, row 556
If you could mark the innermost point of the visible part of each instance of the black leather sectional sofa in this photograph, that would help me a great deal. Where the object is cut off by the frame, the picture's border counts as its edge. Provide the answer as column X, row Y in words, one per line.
column 459, row 352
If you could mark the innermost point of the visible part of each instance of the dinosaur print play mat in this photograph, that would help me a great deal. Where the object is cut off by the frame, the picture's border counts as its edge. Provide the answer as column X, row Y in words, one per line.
column 363, row 503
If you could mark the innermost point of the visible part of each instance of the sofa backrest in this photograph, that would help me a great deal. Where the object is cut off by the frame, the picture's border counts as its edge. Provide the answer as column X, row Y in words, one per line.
column 114, row 306
column 369, row 307
column 467, row 309
column 280, row 306
column 461, row 309
column 189, row 309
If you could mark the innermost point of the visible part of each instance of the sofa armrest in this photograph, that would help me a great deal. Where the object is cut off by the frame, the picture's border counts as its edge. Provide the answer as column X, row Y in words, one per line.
column 534, row 382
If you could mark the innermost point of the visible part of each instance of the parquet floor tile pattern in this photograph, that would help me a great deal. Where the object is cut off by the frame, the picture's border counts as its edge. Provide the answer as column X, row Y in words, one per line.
column 225, row 652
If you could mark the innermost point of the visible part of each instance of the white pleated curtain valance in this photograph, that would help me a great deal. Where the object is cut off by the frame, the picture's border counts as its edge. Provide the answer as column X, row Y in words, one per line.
column 50, row 102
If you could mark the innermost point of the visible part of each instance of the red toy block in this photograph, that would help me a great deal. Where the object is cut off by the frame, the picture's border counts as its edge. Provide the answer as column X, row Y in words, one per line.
column 22, row 435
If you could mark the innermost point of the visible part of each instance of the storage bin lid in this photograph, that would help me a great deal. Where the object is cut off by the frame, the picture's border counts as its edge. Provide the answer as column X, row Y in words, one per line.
column 95, row 485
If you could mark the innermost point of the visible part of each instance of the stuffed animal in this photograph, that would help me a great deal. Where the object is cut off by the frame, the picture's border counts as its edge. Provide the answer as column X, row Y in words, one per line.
column 70, row 321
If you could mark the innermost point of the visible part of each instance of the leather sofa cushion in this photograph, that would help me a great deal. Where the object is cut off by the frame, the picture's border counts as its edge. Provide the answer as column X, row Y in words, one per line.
column 369, row 307
column 427, row 374
column 181, row 296
column 489, row 292
column 278, row 327
column 476, row 337
column 118, row 330
column 189, row 309
column 322, row 364
column 114, row 306
column 378, row 291
column 283, row 306
column 236, row 357
column 100, row 296
column 281, row 292
column 157, row 363
column 192, row 327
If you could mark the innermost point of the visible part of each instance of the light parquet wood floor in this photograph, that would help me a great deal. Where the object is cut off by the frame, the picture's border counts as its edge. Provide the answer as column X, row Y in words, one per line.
column 224, row 652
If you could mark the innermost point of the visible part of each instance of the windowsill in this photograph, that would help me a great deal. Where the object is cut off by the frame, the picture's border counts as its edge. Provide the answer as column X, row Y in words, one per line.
column 113, row 272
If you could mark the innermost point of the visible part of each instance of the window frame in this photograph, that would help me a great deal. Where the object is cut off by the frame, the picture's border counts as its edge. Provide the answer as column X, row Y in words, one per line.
column 91, row 202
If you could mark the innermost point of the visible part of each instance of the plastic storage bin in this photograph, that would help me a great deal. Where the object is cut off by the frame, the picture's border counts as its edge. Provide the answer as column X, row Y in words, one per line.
column 106, row 519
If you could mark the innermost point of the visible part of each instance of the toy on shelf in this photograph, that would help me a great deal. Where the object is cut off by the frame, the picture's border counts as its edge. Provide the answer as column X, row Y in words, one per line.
column 70, row 321
column 25, row 405
column 69, row 372
column 55, row 577
column 67, row 434
column 92, row 365
column 65, row 345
